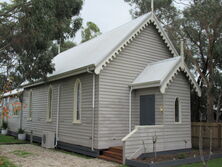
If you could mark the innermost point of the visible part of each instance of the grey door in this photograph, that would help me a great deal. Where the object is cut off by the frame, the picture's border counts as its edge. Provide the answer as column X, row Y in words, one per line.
column 147, row 110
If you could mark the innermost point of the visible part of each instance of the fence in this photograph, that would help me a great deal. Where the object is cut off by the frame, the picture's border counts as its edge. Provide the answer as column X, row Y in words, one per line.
column 216, row 134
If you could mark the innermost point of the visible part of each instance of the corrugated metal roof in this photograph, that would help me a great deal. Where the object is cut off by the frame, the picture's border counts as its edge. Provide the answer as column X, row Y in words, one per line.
column 96, row 50
column 162, row 73
column 157, row 72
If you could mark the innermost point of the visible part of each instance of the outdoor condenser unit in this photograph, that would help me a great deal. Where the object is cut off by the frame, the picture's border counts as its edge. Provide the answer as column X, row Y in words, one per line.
column 48, row 139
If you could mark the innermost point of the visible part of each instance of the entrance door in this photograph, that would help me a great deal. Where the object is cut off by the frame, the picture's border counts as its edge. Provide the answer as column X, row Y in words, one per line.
column 147, row 110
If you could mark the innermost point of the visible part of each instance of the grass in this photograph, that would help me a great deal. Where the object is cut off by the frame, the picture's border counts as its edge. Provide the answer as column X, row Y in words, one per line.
column 9, row 140
column 212, row 163
column 4, row 162
column 21, row 153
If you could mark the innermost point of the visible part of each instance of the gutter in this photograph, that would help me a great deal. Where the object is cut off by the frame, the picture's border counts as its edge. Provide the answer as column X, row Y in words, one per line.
column 61, row 76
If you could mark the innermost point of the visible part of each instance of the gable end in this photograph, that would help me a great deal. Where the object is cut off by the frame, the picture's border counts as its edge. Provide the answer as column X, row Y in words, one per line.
column 163, row 35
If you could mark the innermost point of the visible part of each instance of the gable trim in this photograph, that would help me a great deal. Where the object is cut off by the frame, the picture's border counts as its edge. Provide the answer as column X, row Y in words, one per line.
column 151, row 19
column 170, row 78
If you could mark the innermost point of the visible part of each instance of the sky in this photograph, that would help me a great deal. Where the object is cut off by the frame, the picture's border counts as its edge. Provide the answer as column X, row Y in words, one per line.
column 107, row 14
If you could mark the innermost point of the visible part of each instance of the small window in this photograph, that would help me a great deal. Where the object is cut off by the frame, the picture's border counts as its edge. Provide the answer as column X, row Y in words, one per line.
column 49, row 110
column 30, row 106
column 177, row 110
column 77, row 102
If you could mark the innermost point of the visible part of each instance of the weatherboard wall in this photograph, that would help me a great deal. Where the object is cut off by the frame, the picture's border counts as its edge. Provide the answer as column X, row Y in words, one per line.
column 78, row 134
column 170, row 135
column 179, row 88
column 114, row 79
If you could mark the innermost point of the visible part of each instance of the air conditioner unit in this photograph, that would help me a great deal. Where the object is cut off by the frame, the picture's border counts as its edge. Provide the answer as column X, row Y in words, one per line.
column 48, row 139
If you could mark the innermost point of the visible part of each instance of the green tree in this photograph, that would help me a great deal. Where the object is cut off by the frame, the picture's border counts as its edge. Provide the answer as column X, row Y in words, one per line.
column 166, row 12
column 200, row 24
column 164, row 9
column 27, row 29
column 90, row 31
column 63, row 47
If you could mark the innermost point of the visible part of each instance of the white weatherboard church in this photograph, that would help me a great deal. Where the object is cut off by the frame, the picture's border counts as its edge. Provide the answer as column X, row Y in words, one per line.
column 113, row 94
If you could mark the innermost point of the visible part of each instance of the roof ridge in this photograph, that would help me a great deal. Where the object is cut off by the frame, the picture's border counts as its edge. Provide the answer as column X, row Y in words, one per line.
column 107, row 32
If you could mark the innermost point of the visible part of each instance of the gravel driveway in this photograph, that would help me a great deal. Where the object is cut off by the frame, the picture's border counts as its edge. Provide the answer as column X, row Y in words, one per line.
column 40, row 157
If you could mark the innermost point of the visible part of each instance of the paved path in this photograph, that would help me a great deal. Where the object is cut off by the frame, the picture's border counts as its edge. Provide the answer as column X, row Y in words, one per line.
column 41, row 157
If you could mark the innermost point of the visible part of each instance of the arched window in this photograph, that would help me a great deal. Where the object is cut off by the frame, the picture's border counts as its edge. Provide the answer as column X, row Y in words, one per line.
column 30, row 106
column 49, row 110
column 77, row 102
column 177, row 110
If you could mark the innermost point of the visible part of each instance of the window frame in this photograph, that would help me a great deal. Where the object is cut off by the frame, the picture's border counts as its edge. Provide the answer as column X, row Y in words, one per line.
column 49, row 104
column 179, row 111
column 77, row 85
column 30, row 105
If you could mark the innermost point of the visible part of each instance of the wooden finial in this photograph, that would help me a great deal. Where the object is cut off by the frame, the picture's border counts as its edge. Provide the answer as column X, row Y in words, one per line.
column 152, row 6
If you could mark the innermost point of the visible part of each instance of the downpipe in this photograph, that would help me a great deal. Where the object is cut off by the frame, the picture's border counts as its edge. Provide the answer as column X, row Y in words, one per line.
column 57, row 116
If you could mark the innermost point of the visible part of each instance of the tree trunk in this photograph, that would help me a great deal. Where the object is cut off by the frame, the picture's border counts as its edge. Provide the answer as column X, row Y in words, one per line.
column 210, row 95
column 210, row 100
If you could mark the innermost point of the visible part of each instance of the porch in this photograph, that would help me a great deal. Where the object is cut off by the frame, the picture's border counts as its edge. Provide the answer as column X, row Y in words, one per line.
column 159, row 115
column 156, row 138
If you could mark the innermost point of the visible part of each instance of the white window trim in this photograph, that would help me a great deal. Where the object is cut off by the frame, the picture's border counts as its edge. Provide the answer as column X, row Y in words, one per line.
column 49, row 103
column 75, row 121
column 30, row 105
column 180, row 113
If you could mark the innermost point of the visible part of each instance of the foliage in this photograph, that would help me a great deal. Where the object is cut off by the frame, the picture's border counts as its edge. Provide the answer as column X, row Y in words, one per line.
column 4, row 125
column 202, row 27
column 200, row 24
column 4, row 162
column 90, row 31
column 21, row 131
column 22, row 153
column 27, row 29
column 67, row 45
column 63, row 47
column 164, row 9
column 181, row 156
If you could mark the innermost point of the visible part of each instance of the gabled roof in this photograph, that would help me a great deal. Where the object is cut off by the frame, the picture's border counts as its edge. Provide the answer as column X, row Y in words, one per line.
column 99, row 51
column 161, row 74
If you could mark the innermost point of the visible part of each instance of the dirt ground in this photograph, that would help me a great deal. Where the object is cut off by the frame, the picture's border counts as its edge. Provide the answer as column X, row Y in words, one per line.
column 37, row 156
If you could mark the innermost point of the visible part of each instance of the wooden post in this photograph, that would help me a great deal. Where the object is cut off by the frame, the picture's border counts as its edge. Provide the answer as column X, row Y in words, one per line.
column 219, row 135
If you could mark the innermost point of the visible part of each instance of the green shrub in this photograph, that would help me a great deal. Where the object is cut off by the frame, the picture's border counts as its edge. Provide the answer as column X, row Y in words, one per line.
column 4, row 125
column 181, row 156
column 21, row 131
